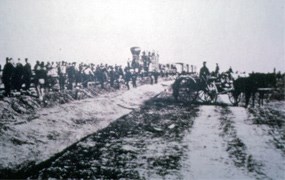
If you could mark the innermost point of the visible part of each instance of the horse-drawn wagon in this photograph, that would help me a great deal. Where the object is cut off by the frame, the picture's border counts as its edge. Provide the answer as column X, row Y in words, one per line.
column 191, row 88
column 256, row 83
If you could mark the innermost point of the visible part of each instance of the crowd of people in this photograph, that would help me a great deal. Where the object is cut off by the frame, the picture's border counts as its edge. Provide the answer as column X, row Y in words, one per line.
column 61, row 75
column 47, row 76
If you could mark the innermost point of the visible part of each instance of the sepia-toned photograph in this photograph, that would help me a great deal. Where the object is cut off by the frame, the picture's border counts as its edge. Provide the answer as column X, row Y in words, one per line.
column 142, row 89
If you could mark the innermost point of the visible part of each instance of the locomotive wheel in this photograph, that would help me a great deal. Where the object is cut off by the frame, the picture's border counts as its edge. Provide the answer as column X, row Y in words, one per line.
column 184, row 90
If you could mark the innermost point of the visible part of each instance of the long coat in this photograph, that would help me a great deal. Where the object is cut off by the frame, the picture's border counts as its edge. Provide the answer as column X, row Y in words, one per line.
column 8, row 71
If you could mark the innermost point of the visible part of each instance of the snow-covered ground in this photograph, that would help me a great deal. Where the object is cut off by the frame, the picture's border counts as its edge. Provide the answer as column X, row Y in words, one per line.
column 207, row 148
column 259, row 144
column 227, row 143
column 51, row 130
column 160, row 139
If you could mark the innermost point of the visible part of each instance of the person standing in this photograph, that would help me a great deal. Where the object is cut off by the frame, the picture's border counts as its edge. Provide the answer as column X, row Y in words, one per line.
column 155, row 74
column 42, row 75
column 217, row 70
column 128, row 76
column 78, row 74
column 71, row 75
column 18, row 76
column 112, row 76
column 27, row 74
column 203, row 75
column 134, row 78
column 100, row 75
column 7, row 76
column 62, row 75
column 37, row 68
column 204, row 71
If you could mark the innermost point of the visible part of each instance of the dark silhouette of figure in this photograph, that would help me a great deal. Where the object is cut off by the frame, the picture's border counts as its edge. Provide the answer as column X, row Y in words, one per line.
column 128, row 77
column 71, row 75
column 37, row 68
column 146, row 61
column 18, row 76
column 100, row 75
column 204, row 72
column 112, row 76
column 217, row 70
column 203, row 75
column 134, row 79
column 62, row 75
column 27, row 74
column 229, row 72
column 7, row 76
column 78, row 74
column 155, row 74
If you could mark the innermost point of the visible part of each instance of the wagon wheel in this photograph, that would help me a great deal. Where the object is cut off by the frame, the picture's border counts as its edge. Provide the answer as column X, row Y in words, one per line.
column 187, row 94
column 209, row 94
column 185, row 90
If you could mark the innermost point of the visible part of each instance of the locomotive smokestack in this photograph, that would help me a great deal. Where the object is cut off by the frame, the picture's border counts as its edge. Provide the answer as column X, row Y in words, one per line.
column 135, row 51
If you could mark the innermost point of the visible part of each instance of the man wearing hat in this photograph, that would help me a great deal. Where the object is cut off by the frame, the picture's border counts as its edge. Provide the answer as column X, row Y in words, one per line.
column 204, row 72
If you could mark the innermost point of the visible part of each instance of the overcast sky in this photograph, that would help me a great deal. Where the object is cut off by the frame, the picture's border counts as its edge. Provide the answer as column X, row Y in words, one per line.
column 249, row 35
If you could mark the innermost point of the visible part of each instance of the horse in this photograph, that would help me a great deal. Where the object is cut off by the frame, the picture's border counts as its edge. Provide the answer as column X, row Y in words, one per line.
column 250, row 85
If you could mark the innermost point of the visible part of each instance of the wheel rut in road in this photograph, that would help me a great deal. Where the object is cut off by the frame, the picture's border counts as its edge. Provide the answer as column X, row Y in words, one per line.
column 207, row 157
column 236, row 147
column 165, row 139
column 147, row 143
column 264, row 159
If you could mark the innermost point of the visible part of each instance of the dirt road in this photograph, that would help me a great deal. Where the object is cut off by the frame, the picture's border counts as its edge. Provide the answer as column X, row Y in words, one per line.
column 32, row 138
column 169, row 140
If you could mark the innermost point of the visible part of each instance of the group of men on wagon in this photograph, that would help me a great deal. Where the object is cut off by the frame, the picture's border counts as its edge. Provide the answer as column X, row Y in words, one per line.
column 205, row 73
column 260, row 83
